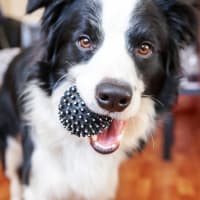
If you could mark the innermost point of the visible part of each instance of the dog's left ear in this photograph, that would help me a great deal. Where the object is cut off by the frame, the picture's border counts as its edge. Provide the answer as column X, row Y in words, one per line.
column 36, row 4
column 182, row 20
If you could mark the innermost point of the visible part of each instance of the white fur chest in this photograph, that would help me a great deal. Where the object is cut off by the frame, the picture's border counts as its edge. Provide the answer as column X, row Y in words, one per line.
column 73, row 168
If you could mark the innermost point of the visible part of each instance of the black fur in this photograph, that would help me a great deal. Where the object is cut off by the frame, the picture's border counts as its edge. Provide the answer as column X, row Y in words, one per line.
column 9, row 123
column 28, row 148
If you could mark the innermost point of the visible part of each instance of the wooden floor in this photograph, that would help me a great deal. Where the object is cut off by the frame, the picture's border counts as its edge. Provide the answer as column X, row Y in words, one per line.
column 148, row 177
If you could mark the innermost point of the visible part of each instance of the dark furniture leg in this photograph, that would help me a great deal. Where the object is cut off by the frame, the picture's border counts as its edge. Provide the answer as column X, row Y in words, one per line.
column 168, row 136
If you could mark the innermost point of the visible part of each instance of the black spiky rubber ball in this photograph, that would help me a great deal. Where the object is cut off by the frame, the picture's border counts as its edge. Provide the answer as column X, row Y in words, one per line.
column 76, row 117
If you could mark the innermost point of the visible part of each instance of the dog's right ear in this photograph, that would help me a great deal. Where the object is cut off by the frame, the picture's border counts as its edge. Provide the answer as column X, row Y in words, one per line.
column 36, row 4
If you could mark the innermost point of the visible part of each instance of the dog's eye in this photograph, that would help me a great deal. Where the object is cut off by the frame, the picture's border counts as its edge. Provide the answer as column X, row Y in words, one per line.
column 85, row 42
column 144, row 50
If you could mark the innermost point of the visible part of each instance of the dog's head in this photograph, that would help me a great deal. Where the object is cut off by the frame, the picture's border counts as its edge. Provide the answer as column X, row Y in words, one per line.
column 123, row 56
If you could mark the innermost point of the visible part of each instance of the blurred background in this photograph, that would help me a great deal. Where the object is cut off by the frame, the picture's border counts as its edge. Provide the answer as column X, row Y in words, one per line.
column 16, row 9
column 169, row 167
column 20, row 29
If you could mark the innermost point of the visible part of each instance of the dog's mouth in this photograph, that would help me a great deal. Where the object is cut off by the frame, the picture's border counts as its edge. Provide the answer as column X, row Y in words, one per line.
column 103, row 132
column 108, row 141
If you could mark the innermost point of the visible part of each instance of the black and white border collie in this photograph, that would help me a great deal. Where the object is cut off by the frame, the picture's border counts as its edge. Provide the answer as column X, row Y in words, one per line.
column 123, row 57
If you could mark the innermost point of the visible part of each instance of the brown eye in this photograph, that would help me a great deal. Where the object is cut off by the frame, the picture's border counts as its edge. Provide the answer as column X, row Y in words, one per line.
column 85, row 42
column 145, row 50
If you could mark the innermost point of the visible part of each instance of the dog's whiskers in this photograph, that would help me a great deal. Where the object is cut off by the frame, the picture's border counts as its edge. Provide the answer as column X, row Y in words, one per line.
column 65, row 76
column 59, row 80
column 154, row 99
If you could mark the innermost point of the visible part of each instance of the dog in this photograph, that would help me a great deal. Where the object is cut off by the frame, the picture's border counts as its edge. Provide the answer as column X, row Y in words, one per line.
column 123, row 59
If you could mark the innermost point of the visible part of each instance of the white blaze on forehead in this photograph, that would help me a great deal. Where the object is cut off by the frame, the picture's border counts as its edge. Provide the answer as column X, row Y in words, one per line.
column 116, row 14
column 113, row 55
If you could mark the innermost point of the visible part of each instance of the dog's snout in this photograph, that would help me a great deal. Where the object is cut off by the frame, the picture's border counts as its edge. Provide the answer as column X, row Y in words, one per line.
column 113, row 97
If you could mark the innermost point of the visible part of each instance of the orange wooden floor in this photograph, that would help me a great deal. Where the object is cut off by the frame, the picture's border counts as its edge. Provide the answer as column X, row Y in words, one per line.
column 148, row 177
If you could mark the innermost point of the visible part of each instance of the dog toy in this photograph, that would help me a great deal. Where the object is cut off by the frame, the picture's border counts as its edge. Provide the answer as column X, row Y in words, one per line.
column 76, row 117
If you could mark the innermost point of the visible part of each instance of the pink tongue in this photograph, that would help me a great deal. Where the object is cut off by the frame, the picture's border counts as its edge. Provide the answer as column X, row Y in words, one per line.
column 109, row 140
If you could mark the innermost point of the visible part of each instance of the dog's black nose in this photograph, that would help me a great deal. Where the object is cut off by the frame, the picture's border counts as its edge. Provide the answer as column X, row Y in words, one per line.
column 113, row 97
